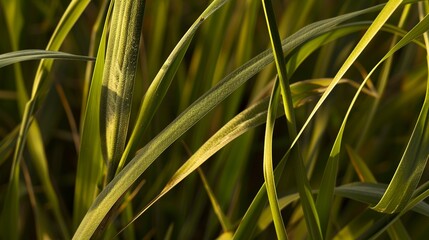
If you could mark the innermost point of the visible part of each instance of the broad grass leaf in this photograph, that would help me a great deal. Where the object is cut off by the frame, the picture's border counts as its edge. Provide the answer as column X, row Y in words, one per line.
column 370, row 193
column 37, row 54
column 118, row 79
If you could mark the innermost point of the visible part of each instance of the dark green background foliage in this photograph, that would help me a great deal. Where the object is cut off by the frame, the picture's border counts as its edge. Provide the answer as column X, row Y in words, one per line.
column 211, row 79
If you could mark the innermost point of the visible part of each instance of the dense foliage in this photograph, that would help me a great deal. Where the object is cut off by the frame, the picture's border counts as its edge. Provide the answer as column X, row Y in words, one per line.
column 219, row 118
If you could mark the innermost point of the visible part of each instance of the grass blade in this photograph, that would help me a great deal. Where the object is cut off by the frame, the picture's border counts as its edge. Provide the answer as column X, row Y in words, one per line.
column 36, row 54
column 90, row 159
column 414, row 159
column 118, row 79
column 270, row 182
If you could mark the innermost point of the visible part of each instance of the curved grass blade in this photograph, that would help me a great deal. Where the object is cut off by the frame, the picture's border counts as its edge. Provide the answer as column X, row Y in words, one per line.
column 414, row 159
column 37, row 54
column 189, row 117
column 307, row 202
column 270, row 182
column 367, row 193
column 329, row 177
column 371, row 193
column 118, row 79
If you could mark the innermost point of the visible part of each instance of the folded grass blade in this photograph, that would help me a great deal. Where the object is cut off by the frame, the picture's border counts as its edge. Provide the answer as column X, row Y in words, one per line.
column 118, row 79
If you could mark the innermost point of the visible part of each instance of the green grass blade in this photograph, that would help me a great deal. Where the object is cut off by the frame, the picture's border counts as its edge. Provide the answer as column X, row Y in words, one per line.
column 382, row 17
column 224, row 221
column 118, row 79
column 414, row 159
column 90, row 159
column 269, row 130
column 36, row 54
column 270, row 183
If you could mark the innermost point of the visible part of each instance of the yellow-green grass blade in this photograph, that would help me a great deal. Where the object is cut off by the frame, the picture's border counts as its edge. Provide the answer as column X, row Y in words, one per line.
column 118, row 79
column 36, row 54
column 381, row 85
column 270, row 182
column 328, row 181
column 382, row 17
column 90, row 159
column 69, row 18
column 414, row 159
column 187, row 119
column 224, row 221
column 159, row 86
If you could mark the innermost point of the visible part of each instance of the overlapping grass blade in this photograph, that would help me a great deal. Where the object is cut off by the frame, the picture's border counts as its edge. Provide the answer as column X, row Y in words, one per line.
column 37, row 54
column 90, row 159
column 413, row 161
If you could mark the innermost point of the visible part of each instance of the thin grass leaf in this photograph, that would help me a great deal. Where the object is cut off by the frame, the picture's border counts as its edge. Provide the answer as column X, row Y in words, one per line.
column 304, row 189
column 291, row 125
column 370, row 193
column 37, row 54
column 90, row 159
column 224, row 221
column 328, row 181
column 268, row 163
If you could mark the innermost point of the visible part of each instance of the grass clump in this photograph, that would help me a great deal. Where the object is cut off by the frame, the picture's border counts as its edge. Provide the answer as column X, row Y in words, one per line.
column 214, row 119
